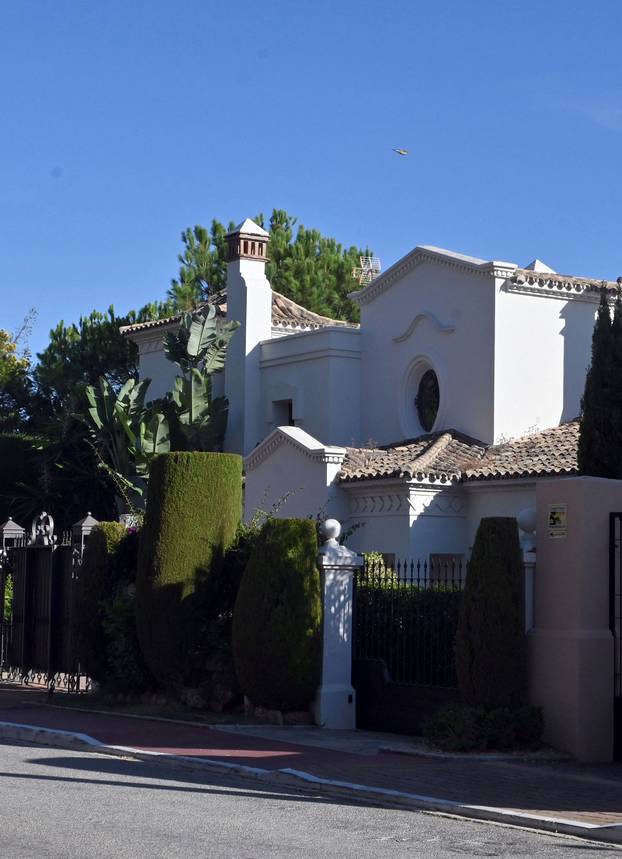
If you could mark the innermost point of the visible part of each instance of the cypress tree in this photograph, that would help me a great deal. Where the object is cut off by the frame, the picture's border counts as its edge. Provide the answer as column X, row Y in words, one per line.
column 490, row 642
column 595, row 430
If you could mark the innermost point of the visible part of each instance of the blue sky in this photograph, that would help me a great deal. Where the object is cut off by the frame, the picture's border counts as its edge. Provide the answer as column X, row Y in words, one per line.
column 124, row 122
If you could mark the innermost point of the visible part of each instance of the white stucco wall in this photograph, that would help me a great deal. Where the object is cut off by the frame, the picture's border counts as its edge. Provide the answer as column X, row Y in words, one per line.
column 542, row 351
column 283, row 467
column 495, row 498
column 454, row 334
column 320, row 371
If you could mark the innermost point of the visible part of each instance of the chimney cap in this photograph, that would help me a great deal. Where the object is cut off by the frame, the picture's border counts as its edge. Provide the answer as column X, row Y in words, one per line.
column 249, row 228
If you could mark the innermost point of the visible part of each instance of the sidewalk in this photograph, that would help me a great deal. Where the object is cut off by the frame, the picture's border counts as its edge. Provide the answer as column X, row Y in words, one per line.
column 551, row 795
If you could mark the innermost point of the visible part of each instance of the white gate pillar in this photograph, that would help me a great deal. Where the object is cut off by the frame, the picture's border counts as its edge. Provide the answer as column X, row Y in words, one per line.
column 335, row 702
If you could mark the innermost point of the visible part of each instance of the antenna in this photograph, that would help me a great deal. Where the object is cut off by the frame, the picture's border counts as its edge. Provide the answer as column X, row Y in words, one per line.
column 369, row 269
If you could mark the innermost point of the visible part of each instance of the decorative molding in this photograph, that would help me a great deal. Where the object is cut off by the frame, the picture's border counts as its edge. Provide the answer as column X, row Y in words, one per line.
column 147, row 346
column 439, row 503
column 558, row 286
column 422, row 255
column 443, row 327
column 281, row 436
column 378, row 504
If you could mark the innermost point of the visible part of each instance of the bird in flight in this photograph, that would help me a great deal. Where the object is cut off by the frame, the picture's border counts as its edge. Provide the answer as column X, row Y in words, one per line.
column 401, row 151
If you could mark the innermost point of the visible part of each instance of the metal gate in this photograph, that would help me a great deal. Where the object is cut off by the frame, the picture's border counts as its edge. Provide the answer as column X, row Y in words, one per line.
column 38, row 642
column 405, row 623
column 615, row 624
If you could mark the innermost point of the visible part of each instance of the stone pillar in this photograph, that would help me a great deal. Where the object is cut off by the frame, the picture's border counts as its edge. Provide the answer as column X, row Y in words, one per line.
column 335, row 703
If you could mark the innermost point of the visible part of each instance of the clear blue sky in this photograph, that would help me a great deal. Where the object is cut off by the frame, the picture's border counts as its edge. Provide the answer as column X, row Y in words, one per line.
column 124, row 122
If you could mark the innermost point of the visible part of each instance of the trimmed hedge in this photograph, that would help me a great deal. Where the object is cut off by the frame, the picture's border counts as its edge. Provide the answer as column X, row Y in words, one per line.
column 96, row 584
column 277, row 618
column 490, row 643
column 459, row 728
column 194, row 505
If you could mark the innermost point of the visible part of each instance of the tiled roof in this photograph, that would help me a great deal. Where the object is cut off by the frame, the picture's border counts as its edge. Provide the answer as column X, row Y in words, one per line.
column 549, row 452
column 442, row 455
column 285, row 314
column 451, row 456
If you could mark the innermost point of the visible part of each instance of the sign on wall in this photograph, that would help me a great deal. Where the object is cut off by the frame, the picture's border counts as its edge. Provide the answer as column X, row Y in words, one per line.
column 558, row 520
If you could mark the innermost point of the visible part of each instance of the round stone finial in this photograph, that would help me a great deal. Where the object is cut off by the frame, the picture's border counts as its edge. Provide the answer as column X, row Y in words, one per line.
column 331, row 529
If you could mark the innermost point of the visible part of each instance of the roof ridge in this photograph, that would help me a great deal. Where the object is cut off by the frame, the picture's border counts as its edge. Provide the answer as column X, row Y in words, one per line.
column 437, row 447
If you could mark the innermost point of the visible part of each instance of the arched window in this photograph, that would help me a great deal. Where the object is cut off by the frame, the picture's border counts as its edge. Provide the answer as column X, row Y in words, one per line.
column 427, row 400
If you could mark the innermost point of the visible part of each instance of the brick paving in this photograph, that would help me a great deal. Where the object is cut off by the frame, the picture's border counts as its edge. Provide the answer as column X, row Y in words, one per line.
column 560, row 790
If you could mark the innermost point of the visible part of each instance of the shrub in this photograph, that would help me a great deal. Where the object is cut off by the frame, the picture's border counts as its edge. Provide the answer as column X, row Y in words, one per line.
column 96, row 585
column 490, row 643
column 456, row 728
column 6, row 611
column 126, row 668
column 194, row 505
column 460, row 728
column 277, row 617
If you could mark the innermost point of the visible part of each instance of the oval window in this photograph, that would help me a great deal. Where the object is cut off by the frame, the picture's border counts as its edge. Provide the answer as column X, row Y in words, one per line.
column 427, row 400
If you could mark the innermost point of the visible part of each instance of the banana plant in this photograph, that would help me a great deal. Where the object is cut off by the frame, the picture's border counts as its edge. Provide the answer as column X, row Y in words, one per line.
column 201, row 420
column 126, row 433
column 200, row 342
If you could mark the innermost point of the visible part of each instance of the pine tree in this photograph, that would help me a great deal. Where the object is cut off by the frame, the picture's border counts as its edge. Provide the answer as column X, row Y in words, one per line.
column 596, row 455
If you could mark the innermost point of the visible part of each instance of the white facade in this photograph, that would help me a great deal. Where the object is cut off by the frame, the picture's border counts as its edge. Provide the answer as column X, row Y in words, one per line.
column 509, row 347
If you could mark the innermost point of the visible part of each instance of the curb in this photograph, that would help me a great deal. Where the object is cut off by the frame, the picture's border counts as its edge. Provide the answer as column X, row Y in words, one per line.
column 611, row 834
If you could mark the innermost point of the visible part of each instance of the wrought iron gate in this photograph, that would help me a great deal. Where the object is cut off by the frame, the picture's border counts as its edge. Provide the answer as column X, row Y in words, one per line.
column 38, row 642
column 405, row 622
column 615, row 624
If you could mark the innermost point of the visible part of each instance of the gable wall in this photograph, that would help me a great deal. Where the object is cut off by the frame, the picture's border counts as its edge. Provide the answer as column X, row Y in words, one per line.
column 463, row 359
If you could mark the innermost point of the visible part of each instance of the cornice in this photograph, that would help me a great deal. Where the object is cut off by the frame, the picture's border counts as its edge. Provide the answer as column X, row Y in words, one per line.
column 561, row 287
column 419, row 256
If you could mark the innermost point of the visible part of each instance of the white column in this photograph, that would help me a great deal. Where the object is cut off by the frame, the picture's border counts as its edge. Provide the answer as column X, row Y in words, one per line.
column 335, row 703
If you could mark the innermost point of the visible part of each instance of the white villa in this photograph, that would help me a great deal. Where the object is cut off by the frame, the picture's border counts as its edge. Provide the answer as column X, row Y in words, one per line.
column 457, row 393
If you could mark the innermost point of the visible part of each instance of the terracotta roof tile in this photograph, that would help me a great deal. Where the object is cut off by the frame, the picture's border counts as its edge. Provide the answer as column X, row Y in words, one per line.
column 451, row 456
column 285, row 314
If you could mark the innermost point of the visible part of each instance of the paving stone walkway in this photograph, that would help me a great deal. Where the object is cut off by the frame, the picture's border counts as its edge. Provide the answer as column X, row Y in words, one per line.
column 553, row 790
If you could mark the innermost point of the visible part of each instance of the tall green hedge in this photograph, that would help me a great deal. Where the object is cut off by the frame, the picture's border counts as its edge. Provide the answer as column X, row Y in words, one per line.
column 194, row 505
column 278, row 616
column 96, row 585
column 490, row 644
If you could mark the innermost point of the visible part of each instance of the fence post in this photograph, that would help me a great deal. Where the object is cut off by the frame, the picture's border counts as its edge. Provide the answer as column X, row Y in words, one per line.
column 335, row 703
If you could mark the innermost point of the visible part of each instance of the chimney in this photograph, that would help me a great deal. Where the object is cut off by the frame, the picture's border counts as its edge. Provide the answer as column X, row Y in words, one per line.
column 249, row 301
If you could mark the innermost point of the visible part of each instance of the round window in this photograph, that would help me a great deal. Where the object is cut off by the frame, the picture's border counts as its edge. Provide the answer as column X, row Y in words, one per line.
column 427, row 400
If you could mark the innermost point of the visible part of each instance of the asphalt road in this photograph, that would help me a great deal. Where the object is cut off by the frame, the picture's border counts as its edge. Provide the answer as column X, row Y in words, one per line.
column 65, row 804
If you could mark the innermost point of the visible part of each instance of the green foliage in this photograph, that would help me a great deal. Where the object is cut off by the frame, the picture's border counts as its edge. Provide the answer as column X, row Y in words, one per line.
column 7, row 608
column 199, row 348
column 309, row 268
column 14, row 384
column 194, row 504
column 96, row 585
column 601, row 405
column 490, row 643
column 456, row 728
column 278, row 616
column 460, row 728
column 126, row 670
column 79, row 354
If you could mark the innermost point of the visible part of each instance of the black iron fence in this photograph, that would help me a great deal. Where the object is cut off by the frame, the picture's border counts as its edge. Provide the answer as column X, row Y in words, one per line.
column 37, row 639
column 406, row 614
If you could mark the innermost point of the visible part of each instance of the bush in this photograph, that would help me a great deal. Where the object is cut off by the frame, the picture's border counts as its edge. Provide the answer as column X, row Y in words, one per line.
column 460, row 728
column 194, row 504
column 96, row 585
column 277, row 617
column 6, row 611
column 126, row 667
column 490, row 643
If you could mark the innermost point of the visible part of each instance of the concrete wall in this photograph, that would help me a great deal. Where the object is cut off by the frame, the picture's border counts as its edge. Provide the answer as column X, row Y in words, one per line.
column 495, row 498
column 571, row 646
column 320, row 371
column 542, row 351
column 454, row 335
